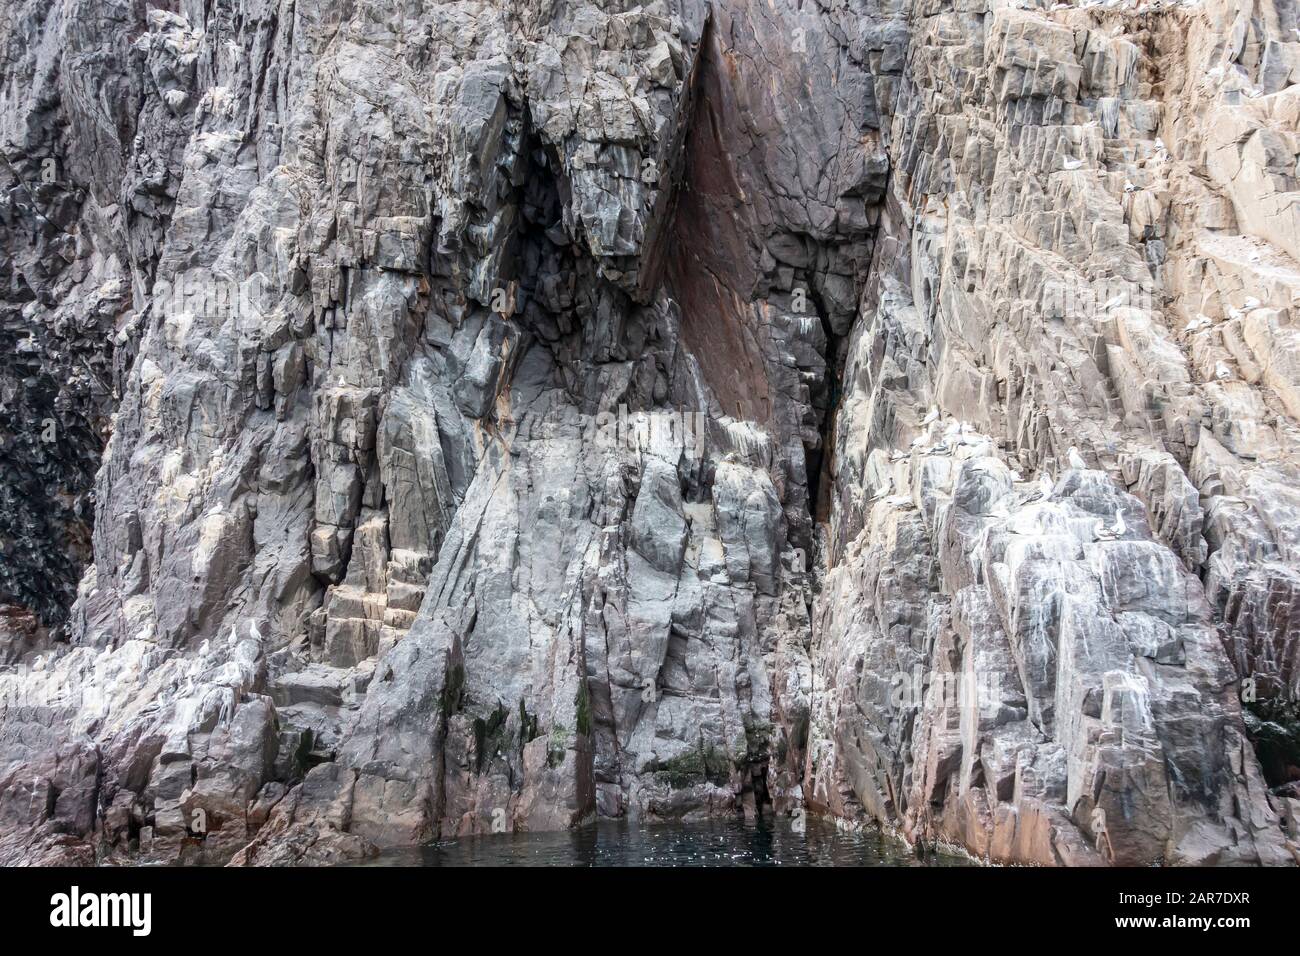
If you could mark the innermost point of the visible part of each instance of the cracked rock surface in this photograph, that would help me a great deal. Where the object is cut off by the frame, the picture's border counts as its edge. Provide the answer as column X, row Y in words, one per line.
column 507, row 415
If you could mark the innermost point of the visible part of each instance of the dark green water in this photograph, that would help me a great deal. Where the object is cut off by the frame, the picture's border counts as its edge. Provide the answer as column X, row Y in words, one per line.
column 711, row 843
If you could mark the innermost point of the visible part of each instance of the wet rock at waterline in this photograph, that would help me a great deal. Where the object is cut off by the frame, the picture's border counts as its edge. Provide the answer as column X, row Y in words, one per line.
column 505, row 417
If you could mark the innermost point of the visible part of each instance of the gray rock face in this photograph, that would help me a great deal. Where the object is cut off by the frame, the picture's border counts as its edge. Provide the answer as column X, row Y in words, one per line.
column 524, row 413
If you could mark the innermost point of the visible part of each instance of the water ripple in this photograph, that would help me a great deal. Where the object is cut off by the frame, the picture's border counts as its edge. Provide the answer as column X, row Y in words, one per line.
column 707, row 843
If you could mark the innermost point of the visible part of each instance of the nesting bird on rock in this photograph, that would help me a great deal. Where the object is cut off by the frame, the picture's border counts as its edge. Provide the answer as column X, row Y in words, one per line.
column 1103, row 533
column 931, row 416
column 1074, row 458
column 1041, row 489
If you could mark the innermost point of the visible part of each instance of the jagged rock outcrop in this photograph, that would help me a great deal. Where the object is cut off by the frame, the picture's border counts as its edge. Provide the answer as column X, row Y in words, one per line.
column 524, row 413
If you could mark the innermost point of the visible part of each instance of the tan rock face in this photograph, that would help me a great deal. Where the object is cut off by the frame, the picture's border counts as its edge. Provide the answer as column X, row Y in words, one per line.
column 523, row 414
column 1077, row 260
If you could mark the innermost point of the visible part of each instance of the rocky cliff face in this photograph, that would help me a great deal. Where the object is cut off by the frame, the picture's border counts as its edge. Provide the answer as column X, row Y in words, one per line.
column 513, row 414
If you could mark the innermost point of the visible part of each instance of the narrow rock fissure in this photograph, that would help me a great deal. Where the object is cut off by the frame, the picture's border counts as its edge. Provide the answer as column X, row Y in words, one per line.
column 820, row 459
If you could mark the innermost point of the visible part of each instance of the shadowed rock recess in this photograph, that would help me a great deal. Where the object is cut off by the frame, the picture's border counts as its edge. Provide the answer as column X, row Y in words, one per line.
column 508, row 414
